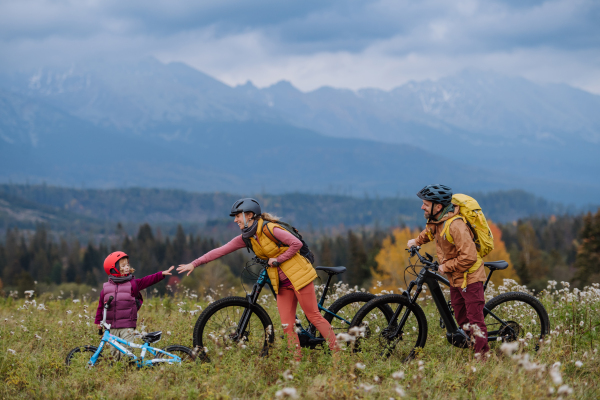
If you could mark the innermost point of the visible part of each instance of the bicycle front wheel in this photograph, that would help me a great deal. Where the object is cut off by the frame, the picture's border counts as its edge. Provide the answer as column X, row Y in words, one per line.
column 382, row 338
column 514, row 315
column 80, row 356
column 218, row 329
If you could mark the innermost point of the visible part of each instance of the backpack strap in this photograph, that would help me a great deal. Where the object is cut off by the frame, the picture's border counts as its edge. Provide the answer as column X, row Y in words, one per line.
column 446, row 235
column 271, row 236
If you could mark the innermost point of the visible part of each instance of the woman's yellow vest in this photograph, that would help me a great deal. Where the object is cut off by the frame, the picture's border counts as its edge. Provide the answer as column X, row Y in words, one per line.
column 298, row 270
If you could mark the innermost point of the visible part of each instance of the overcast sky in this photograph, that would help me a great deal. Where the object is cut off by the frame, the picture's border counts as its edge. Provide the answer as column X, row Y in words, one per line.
column 312, row 43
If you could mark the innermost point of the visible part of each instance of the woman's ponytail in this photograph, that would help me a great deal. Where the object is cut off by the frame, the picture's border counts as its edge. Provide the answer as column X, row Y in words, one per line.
column 269, row 217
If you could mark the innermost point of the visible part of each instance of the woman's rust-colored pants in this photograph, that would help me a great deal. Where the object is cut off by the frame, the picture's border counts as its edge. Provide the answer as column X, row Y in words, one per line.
column 287, row 301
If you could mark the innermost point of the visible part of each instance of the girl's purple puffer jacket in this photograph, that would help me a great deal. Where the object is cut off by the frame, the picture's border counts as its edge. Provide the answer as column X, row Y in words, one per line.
column 123, row 310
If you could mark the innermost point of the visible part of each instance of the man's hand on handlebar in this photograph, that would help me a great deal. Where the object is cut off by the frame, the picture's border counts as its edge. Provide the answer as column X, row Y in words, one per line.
column 411, row 243
column 441, row 269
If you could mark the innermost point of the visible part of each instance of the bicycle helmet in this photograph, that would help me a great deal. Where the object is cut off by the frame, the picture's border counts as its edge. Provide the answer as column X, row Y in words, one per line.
column 245, row 205
column 111, row 263
column 440, row 194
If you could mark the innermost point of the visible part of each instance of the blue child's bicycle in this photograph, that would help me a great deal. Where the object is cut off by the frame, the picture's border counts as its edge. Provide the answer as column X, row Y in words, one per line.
column 174, row 354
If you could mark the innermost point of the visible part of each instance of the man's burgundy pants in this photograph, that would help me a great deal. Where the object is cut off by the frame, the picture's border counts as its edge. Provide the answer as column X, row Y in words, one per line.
column 468, row 309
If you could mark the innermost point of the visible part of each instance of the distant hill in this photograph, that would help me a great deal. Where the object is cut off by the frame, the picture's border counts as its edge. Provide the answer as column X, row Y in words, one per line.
column 75, row 210
column 150, row 124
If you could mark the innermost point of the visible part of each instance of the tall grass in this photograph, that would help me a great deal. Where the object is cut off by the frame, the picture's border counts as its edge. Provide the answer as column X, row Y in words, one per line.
column 37, row 333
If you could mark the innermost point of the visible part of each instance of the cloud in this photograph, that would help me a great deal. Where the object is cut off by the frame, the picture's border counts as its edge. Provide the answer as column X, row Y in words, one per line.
column 313, row 43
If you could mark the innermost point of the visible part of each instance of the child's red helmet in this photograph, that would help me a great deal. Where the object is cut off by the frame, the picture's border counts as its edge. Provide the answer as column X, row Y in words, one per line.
column 111, row 263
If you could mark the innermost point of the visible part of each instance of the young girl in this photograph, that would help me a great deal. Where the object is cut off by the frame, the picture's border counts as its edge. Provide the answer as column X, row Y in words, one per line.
column 122, row 314
column 291, row 274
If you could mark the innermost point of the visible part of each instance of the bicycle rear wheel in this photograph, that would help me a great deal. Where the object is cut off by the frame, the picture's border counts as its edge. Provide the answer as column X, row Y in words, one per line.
column 380, row 339
column 185, row 353
column 216, row 329
column 347, row 306
column 515, row 315
column 80, row 356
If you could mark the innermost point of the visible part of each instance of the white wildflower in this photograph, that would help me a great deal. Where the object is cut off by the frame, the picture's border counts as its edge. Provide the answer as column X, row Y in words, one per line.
column 287, row 375
column 564, row 389
column 360, row 365
column 398, row 375
column 168, row 332
column 509, row 348
column 400, row 391
column 69, row 312
column 286, row 392
column 29, row 293
column 41, row 307
column 60, row 322
column 578, row 364
column 75, row 300
column 11, row 351
column 365, row 387
column 38, row 337
column 555, row 373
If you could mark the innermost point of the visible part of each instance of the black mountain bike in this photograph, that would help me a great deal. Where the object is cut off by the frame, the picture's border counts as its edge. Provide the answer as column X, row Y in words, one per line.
column 508, row 316
column 238, row 323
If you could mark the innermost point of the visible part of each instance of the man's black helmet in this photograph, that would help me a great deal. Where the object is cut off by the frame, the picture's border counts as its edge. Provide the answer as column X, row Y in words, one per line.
column 245, row 205
column 441, row 194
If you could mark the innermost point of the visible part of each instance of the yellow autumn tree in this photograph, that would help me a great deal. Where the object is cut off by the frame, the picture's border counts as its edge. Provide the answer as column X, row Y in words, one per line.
column 392, row 259
column 500, row 253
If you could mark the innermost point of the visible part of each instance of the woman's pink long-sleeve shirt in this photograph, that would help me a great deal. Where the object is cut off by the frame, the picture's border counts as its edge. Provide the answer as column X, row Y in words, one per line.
column 238, row 243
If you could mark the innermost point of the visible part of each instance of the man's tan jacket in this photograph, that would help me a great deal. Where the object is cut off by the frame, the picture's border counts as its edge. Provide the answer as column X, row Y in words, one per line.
column 457, row 257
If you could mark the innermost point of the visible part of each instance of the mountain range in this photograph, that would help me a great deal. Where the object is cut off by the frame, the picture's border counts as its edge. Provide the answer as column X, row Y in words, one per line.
column 151, row 124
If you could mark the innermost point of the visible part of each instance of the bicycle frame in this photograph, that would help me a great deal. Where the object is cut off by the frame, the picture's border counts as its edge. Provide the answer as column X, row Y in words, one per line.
column 307, row 336
column 454, row 334
column 117, row 343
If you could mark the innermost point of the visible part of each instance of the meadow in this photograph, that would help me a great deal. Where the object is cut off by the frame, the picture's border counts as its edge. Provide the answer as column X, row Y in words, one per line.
column 37, row 332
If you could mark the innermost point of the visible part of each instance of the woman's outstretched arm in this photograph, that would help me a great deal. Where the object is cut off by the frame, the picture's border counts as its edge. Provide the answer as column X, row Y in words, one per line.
column 234, row 244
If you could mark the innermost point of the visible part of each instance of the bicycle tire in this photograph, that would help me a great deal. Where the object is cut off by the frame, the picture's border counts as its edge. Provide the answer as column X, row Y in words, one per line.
column 185, row 353
column 347, row 300
column 377, row 324
column 202, row 346
column 513, row 334
column 72, row 354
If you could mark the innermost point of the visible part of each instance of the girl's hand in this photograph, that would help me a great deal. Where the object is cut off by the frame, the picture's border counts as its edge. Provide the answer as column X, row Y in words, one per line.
column 271, row 261
column 185, row 268
column 168, row 272
column 99, row 326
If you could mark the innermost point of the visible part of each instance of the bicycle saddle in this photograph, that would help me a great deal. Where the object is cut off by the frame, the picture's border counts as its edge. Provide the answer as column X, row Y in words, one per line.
column 332, row 270
column 496, row 264
column 152, row 337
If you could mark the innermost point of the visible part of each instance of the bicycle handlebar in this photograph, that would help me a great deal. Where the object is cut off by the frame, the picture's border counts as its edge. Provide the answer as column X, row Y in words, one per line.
column 107, row 304
column 414, row 251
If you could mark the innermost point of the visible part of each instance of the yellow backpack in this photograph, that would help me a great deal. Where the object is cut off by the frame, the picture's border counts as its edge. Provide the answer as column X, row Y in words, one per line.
column 471, row 213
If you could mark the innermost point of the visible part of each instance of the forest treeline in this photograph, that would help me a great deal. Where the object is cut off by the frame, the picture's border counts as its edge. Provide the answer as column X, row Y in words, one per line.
column 77, row 211
column 562, row 248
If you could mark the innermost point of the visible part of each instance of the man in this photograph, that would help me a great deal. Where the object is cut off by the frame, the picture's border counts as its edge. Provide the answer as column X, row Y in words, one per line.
column 455, row 259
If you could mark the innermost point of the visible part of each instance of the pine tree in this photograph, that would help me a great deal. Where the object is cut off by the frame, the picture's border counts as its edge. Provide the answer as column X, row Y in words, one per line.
column 588, row 254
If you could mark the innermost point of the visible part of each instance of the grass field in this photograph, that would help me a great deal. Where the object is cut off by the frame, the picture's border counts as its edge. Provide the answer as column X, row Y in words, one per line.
column 37, row 333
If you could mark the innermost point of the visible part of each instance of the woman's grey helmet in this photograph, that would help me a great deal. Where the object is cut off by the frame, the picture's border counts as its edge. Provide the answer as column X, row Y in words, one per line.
column 441, row 194
column 245, row 205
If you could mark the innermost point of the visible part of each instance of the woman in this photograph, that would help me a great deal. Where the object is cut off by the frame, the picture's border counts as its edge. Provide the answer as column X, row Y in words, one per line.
column 291, row 274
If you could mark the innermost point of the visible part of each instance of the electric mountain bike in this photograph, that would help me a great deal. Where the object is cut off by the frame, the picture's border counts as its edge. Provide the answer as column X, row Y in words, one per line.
column 241, row 324
column 508, row 317
column 92, row 355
